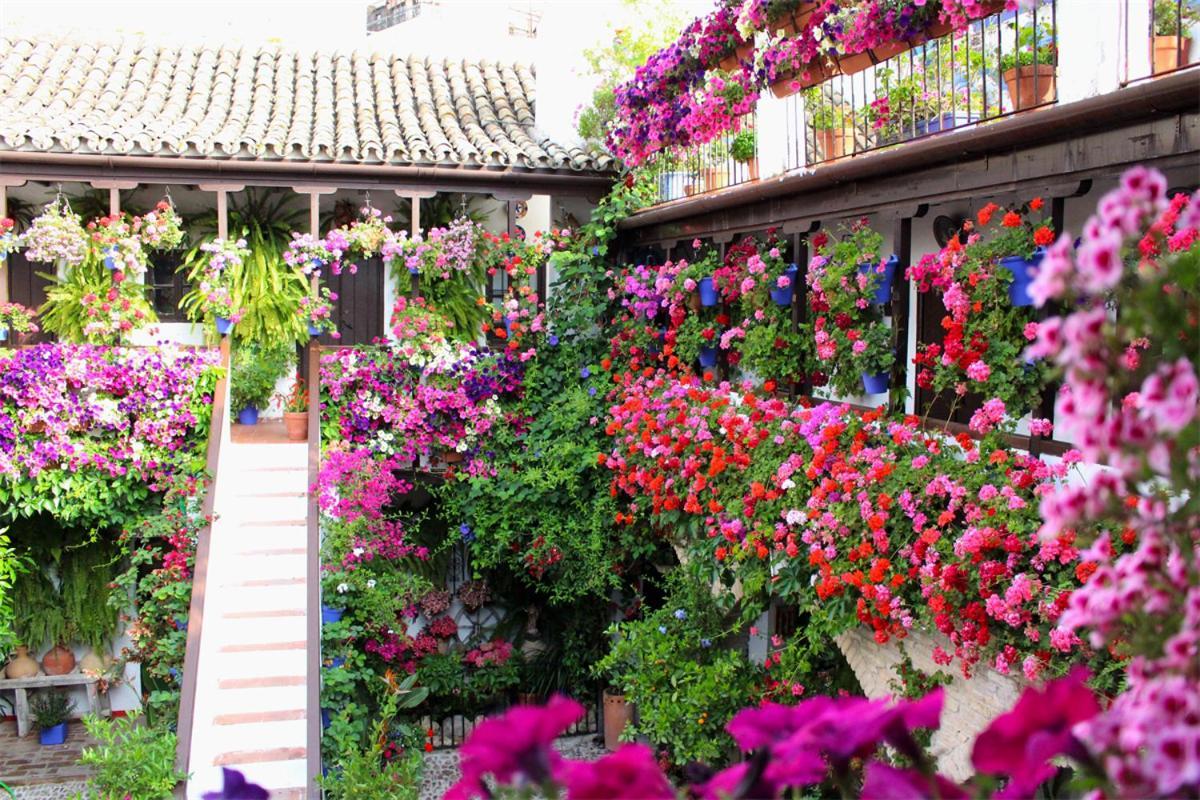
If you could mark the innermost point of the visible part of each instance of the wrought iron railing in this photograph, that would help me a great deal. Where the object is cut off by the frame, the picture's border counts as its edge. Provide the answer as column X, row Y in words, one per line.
column 1159, row 37
column 999, row 65
column 727, row 161
column 387, row 15
column 452, row 731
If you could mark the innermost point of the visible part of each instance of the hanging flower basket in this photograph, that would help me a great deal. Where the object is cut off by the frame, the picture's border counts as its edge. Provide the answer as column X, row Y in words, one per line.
column 883, row 289
column 877, row 383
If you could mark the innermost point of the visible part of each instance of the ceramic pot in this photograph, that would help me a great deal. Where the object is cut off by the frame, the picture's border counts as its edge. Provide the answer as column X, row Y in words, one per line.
column 617, row 714
column 1023, row 272
column 708, row 293
column 22, row 665
column 330, row 615
column 708, row 356
column 883, row 288
column 782, row 295
column 94, row 662
column 452, row 456
column 248, row 416
column 1030, row 86
column 55, row 734
column 224, row 326
column 1167, row 52
column 296, row 423
column 750, row 170
column 877, row 383
column 59, row 661
column 830, row 143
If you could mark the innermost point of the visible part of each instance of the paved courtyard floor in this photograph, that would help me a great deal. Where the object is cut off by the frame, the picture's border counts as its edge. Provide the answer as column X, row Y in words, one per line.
column 42, row 773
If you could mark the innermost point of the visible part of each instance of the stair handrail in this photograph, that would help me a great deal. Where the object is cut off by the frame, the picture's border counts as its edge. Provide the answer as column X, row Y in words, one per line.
column 313, row 570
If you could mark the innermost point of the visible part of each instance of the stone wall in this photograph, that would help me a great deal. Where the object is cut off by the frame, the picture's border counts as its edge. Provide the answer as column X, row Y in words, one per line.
column 970, row 704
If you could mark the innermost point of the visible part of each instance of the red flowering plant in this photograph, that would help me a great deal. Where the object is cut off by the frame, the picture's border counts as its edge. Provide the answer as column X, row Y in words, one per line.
column 849, row 334
column 982, row 351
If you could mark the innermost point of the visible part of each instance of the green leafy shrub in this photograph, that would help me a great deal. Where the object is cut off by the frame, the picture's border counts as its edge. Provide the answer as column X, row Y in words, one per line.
column 50, row 708
column 256, row 369
column 130, row 760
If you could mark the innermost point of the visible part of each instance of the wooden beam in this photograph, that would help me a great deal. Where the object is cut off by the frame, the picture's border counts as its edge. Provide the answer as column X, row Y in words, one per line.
column 222, row 190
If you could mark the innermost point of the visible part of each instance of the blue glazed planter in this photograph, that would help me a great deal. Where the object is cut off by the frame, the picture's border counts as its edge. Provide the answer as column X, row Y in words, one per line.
column 313, row 330
column 224, row 326
column 1023, row 272
column 336, row 662
column 883, row 289
column 708, row 292
column 708, row 356
column 56, row 734
column 326, row 721
column 248, row 416
column 414, row 271
column 110, row 259
column 330, row 615
column 3, row 334
column 783, row 295
column 875, row 384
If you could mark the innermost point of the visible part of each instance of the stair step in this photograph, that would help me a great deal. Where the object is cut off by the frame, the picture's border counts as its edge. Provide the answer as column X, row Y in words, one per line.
column 259, row 717
column 263, row 647
column 288, row 773
column 281, row 629
column 264, row 613
column 261, row 682
column 262, row 735
column 264, row 567
column 253, row 664
column 264, row 598
column 271, row 698
column 250, row 583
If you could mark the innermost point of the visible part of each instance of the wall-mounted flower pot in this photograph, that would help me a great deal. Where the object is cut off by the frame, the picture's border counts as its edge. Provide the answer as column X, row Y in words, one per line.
column 877, row 383
column 883, row 52
column 248, row 415
column 1170, row 52
column 296, row 423
column 335, row 662
column 414, row 271
column 313, row 330
column 55, row 734
column 1023, row 272
column 618, row 713
column 708, row 356
column 851, row 63
column 110, row 260
column 782, row 295
column 3, row 334
column 330, row 615
column 58, row 661
column 708, row 292
column 883, row 289
column 693, row 301
column 224, row 326
column 1030, row 86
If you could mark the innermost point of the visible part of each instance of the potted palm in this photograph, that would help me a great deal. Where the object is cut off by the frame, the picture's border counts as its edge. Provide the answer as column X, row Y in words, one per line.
column 295, row 411
column 1029, row 70
column 50, row 714
column 1173, row 23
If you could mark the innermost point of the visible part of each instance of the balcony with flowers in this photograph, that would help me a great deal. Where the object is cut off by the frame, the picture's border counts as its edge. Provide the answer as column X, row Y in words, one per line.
column 760, row 88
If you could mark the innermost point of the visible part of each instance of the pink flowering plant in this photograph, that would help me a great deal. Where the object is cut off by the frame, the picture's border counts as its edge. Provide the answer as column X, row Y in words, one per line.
column 218, row 279
column 17, row 318
column 849, row 335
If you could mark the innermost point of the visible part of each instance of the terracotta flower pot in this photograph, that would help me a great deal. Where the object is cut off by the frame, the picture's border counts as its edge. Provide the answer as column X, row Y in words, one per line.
column 1030, row 86
column 22, row 665
column 890, row 50
column 617, row 714
column 452, row 456
column 296, row 423
column 59, row 661
column 729, row 62
column 751, row 169
column 715, row 178
column 854, row 62
column 831, row 143
column 1170, row 52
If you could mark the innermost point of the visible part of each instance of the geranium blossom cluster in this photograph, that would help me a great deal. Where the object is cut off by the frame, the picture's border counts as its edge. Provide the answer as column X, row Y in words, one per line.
column 107, row 414
column 1141, row 417
column 56, row 234
column 223, row 261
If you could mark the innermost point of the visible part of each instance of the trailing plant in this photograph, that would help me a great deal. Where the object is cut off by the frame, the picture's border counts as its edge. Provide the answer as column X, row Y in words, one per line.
column 130, row 761
column 11, row 567
column 17, row 318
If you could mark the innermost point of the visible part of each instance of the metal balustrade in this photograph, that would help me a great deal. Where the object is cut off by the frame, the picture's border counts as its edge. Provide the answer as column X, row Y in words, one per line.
column 709, row 167
column 1159, row 37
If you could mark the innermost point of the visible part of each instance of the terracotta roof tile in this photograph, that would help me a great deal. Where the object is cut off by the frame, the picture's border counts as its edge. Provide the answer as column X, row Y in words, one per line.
column 133, row 97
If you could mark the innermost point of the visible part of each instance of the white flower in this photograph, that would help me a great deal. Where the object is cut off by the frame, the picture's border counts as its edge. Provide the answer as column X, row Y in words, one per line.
column 794, row 517
column 342, row 588
column 788, row 483
column 358, row 551
column 371, row 583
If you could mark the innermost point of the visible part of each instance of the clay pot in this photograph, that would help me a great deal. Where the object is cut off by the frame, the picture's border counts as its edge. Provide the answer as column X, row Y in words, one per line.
column 296, row 423
column 94, row 662
column 21, row 665
column 854, row 62
column 59, row 661
column 714, row 179
column 751, row 169
column 830, row 143
column 1168, row 51
column 617, row 714
column 885, row 51
column 729, row 62
column 1030, row 86
column 452, row 457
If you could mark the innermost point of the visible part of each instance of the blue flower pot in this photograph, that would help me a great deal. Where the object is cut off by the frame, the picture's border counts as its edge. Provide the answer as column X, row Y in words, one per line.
column 248, row 416
column 336, row 662
column 224, row 326
column 414, row 271
column 708, row 356
column 883, row 289
column 56, row 734
column 3, row 334
column 877, row 383
column 783, row 295
column 317, row 264
column 330, row 615
column 326, row 720
column 1023, row 272
column 945, row 122
column 110, row 259
column 313, row 330
column 708, row 292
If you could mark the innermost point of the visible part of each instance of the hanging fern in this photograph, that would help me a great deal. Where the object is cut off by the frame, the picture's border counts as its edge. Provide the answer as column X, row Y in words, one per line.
column 86, row 574
column 73, row 309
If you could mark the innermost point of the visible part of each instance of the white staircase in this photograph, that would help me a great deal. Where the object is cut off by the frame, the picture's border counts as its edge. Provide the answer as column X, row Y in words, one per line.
column 251, row 681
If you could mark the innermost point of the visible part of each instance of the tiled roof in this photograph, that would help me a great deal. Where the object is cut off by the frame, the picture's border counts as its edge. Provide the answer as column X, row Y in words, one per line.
column 129, row 96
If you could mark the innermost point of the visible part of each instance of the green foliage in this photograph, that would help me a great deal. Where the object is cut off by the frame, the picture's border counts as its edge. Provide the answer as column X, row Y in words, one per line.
column 1035, row 44
column 653, row 25
column 775, row 349
column 264, row 286
column 256, row 368
column 130, row 760
column 744, row 146
column 50, row 708
column 69, row 299
column 11, row 566
column 1175, row 17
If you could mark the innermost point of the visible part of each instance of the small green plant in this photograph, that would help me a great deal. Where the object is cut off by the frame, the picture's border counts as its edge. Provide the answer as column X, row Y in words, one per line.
column 50, row 709
column 823, row 112
column 1035, row 44
column 744, row 146
column 1175, row 17
column 256, row 368
column 130, row 760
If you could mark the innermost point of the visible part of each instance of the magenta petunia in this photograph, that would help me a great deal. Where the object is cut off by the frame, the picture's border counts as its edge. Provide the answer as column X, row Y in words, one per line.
column 631, row 773
column 884, row 782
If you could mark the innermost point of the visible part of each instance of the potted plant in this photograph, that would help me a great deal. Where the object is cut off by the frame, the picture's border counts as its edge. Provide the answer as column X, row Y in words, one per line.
column 51, row 710
column 1173, row 23
column 827, row 119
column 256, row 368
column 744, row 150
column 16, row 319
column 1029, row 69
column 295, row 411
column 221, row 262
